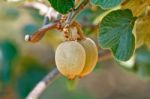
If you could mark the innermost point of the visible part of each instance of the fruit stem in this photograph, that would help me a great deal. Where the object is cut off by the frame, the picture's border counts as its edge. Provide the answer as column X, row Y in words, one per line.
column 79, row 30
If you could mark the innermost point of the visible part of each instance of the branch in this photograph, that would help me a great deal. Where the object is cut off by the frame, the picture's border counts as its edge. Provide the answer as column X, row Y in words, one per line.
column 44, row 9
column 41, row 32
column 74, row 13
column 104, row 55
column 42, row 85
column 55, row 25
column 46, row 20
column 37, row 5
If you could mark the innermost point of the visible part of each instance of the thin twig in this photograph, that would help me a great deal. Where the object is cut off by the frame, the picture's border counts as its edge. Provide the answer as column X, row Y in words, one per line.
column 41, row 32
column 75, row 12
column 104, row 55
column 37, row 5
column 79, row 30
column 42, row 85
column 55, row 25
column 46, row 20
column 44, row 9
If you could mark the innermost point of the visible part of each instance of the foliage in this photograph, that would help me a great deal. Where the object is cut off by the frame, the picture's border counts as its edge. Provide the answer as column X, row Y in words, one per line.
column 63, row 6
column 106, row 4
column 123, row 28
column 6, row 59
column 32, row 68
column 115, row 31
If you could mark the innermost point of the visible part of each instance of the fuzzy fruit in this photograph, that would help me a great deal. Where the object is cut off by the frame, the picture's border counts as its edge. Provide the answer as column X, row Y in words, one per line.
column 91, row 56
column 70, row 58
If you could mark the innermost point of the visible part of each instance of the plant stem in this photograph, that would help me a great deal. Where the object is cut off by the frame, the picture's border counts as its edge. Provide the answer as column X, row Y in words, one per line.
column 46, row 20
column 55, row 25
column 75, row 12
column 41, row 32
column 79, row 30
column 42, row 85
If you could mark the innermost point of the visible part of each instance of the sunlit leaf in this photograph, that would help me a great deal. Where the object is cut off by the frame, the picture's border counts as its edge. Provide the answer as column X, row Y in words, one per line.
column 137, row 6
column 142, row 30
column 107, row 4
column 116, row 34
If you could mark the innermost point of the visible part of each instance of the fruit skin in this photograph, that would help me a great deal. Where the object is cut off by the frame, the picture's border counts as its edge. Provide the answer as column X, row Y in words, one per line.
column 91, row 56
column 70, row 58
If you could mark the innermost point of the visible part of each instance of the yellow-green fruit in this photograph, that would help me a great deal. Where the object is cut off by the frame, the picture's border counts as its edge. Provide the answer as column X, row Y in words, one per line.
column 70, row 58
column 91, row 56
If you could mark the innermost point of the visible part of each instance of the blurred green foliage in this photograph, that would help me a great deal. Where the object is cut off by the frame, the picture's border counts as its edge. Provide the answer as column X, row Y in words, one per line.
column 87, row 18
column 9, row 13
column 29, row 29
column 63, row 92
column 34, row 13
column 8, row 52
column 18, row 68
column 143, row 62
column 29, row 78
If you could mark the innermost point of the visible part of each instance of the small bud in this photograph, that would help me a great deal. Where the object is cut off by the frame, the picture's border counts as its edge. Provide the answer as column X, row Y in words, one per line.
column 27, row 37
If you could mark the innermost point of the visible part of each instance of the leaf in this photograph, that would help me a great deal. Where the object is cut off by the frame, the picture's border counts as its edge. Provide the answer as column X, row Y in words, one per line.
column 137, row 6
column 62, row 6
column 107, row 4
column 116, row 34
column 142, row 31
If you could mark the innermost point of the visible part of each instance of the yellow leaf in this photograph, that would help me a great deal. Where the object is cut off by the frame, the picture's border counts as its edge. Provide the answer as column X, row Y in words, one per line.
column 143, row 30
column 137, row 6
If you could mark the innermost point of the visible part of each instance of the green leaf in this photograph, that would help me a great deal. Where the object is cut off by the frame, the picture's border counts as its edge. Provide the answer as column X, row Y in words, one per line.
column 116, row 34
column 62, row 6
column 106, row 4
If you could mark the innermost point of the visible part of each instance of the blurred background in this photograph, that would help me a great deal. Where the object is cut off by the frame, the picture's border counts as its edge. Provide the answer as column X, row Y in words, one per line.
column 24, row 64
